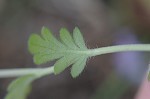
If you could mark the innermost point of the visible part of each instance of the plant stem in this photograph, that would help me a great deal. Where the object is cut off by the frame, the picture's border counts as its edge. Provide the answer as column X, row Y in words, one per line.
column 4, row 73
column 39, row 72
column 119, row 48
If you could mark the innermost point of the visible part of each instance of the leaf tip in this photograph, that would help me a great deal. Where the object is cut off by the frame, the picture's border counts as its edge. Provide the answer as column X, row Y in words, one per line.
column 74, row 75
column 31, row 40
column 56, row 70
column 38, row 60
column 76, row 28
column 62, row 30
column 43, row 28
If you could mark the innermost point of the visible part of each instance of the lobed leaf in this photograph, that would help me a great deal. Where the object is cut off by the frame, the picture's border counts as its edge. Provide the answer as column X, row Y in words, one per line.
column 36, row 44
column 64, row 62
column 78, row 67
column 48, row 36
column 79, row 38
column 67, row 39
column 70, row 51
column 46, row 56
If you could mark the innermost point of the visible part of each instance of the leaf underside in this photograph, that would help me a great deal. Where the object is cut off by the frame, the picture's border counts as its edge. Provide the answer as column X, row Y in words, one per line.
column 69, row 50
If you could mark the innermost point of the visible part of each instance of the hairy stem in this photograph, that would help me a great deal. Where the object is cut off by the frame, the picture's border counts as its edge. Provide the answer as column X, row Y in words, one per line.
column 119, row 48
column 91, row 52
column 4, row 73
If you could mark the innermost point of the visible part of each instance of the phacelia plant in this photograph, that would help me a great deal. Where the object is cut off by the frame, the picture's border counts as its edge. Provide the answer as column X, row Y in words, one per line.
column 70, row 50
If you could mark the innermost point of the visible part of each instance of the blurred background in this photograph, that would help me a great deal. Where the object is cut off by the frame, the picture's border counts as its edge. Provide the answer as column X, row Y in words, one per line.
column 102, row 22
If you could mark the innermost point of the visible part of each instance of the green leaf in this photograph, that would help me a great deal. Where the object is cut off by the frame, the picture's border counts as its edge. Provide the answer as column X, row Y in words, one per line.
column 20, row 88
column 67, row 39
column 63, row 63
column 46, row 56
column 37, row 44
column 48, row 36
column 68, row 52
column 78, row 67
column 79, row 38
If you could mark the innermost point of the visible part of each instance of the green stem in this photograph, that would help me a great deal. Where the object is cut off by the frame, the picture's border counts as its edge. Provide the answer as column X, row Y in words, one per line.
column 119, row 48
column 91, row 52
column 4, row 73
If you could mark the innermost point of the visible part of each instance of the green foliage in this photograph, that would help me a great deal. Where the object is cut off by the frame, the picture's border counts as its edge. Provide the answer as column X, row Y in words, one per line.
column 20, row 88
column 70, row 50
column 78, row 67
